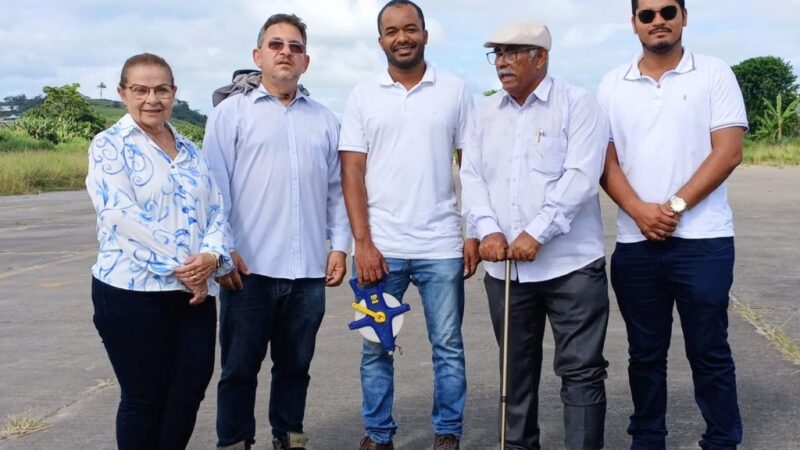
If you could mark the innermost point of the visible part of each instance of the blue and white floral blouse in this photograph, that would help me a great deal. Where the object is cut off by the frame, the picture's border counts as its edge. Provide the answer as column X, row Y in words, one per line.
column 152, row 212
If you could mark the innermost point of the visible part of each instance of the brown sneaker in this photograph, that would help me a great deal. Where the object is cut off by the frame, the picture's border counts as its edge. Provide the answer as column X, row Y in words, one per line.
column 368, row 444
column 445, row 442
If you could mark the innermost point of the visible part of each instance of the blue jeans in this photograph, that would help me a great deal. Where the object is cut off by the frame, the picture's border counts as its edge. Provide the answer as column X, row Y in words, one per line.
column 441, row 286
column 695, row 275
column 162, row 351
column 285, row 314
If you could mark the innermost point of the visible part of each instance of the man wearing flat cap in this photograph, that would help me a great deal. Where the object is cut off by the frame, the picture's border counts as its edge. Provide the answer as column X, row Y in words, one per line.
column 532, row 161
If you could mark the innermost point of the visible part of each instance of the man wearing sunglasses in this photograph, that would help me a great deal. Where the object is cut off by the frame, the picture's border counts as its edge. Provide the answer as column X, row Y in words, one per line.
column 273, row 152
column 533, row 157
column 399, row 130
column 677, row 128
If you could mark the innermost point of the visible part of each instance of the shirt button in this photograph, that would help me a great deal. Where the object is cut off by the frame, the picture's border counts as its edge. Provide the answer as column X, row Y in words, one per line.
column 173, row 166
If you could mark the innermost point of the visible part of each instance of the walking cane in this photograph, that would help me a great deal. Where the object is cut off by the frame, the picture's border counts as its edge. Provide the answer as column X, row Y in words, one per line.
column 504, row 380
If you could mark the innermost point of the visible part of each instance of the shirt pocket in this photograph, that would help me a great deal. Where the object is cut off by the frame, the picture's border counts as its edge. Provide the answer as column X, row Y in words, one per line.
column 547, row 155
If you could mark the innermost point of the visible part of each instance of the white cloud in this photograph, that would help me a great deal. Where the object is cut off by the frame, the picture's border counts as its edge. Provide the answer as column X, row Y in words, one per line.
column 54, row 42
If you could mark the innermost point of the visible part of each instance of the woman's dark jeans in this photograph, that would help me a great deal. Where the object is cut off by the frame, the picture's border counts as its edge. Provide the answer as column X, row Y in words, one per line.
column 162, row 351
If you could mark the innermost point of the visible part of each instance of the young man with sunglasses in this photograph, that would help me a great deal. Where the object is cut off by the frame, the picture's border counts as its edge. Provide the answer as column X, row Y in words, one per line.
column 399, row 130
column 677, row 128
column 533, row 157
column 274, row 154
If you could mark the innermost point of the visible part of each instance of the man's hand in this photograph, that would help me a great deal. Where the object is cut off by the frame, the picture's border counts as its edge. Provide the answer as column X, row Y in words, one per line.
column 656, row 221
column 471, row 256
column 494, row 247
column 370, row 264
column 337, row 268
column 233, row 280
column 524, row 248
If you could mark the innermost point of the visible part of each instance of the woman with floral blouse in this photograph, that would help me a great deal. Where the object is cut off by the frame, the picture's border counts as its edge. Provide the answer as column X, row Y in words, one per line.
column 162, row 239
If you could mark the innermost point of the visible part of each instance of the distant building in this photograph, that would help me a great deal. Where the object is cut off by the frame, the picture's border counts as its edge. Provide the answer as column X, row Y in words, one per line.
column 8, row 120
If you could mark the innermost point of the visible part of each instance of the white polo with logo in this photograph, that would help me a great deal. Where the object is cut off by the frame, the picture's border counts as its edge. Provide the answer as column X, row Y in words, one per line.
column 662, row 133
column 409, row 137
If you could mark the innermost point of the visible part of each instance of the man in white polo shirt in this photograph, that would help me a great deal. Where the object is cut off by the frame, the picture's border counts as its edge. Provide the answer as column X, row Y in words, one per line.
column 398, row 134
column 532, row 164
column 677, row 128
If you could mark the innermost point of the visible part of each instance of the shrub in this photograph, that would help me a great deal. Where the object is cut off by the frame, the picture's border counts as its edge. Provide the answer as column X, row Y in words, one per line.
column 16, row 140
column 55, row 129
column 191, row 132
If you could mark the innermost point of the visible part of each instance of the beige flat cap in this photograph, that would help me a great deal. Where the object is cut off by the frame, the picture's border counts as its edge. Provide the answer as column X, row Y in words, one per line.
column 521, row 33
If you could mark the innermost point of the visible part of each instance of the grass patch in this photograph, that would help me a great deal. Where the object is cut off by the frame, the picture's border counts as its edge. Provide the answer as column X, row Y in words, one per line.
column 13, row 140
column 104, row 383
column 35, row 171
column 22, row 424
column 765, row 153
column 778, row 338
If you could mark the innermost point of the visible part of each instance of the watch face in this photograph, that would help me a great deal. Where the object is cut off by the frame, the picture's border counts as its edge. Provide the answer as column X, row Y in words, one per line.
column 677, row 204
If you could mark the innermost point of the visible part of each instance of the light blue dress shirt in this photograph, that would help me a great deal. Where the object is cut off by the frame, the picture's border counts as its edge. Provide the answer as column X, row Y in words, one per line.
column 536, row 168
column 152, row 212
column 279, row 172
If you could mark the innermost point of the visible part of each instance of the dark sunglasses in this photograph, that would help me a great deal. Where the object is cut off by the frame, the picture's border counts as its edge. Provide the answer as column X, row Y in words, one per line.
column 649, row 15
column 294, row 47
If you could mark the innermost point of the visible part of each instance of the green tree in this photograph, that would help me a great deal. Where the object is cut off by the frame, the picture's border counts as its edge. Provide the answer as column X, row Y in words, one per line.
column 182, row 111
column 765, row 77
column 21, row 103
column 67, row 103
column 775, row 117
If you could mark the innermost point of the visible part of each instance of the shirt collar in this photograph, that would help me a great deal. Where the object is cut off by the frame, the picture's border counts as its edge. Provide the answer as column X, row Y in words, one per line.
column 684, row 66
column 261, row 92
column 542, row 93
column 428, row 77
column 127, row 125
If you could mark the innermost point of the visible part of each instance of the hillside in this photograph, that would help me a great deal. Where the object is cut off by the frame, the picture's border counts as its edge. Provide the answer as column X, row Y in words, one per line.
column 182, row 115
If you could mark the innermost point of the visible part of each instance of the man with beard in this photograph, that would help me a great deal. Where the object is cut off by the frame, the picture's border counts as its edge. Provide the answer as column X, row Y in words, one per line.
column 530, row 178
column 677, row 128
column 398, row 134
column 274, row 154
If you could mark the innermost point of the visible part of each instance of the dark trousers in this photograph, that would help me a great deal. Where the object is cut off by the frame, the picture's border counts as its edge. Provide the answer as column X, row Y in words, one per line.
column 162, row 352
column 577, row 307
column 696, row 276
column 285, row 314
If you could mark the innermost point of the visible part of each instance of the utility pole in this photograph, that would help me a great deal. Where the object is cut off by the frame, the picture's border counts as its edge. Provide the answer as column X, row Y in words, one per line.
column 101, row 86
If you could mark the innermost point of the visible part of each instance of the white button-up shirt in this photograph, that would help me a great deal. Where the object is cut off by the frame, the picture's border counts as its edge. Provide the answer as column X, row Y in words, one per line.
column 152, row 212
column 409, row 137
column 279, row 172
column 662, row 133
column 536, row 168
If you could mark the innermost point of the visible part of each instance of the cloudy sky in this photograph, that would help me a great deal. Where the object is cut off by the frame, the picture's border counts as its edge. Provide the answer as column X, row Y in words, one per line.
column 55, row 42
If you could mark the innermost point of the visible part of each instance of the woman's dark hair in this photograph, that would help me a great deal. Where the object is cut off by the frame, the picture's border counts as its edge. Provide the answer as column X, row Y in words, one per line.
column 144, row 59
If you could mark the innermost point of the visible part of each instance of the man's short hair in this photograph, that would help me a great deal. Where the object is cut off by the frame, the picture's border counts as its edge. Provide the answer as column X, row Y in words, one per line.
column 635, row 5
column 291, row 19
column 399, row 3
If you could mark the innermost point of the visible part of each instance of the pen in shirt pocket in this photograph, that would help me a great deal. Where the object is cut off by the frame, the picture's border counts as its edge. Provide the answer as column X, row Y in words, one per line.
column 539, row 136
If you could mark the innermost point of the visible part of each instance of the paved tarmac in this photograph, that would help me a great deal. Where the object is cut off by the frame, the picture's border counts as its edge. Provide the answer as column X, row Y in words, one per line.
column 54, row 366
